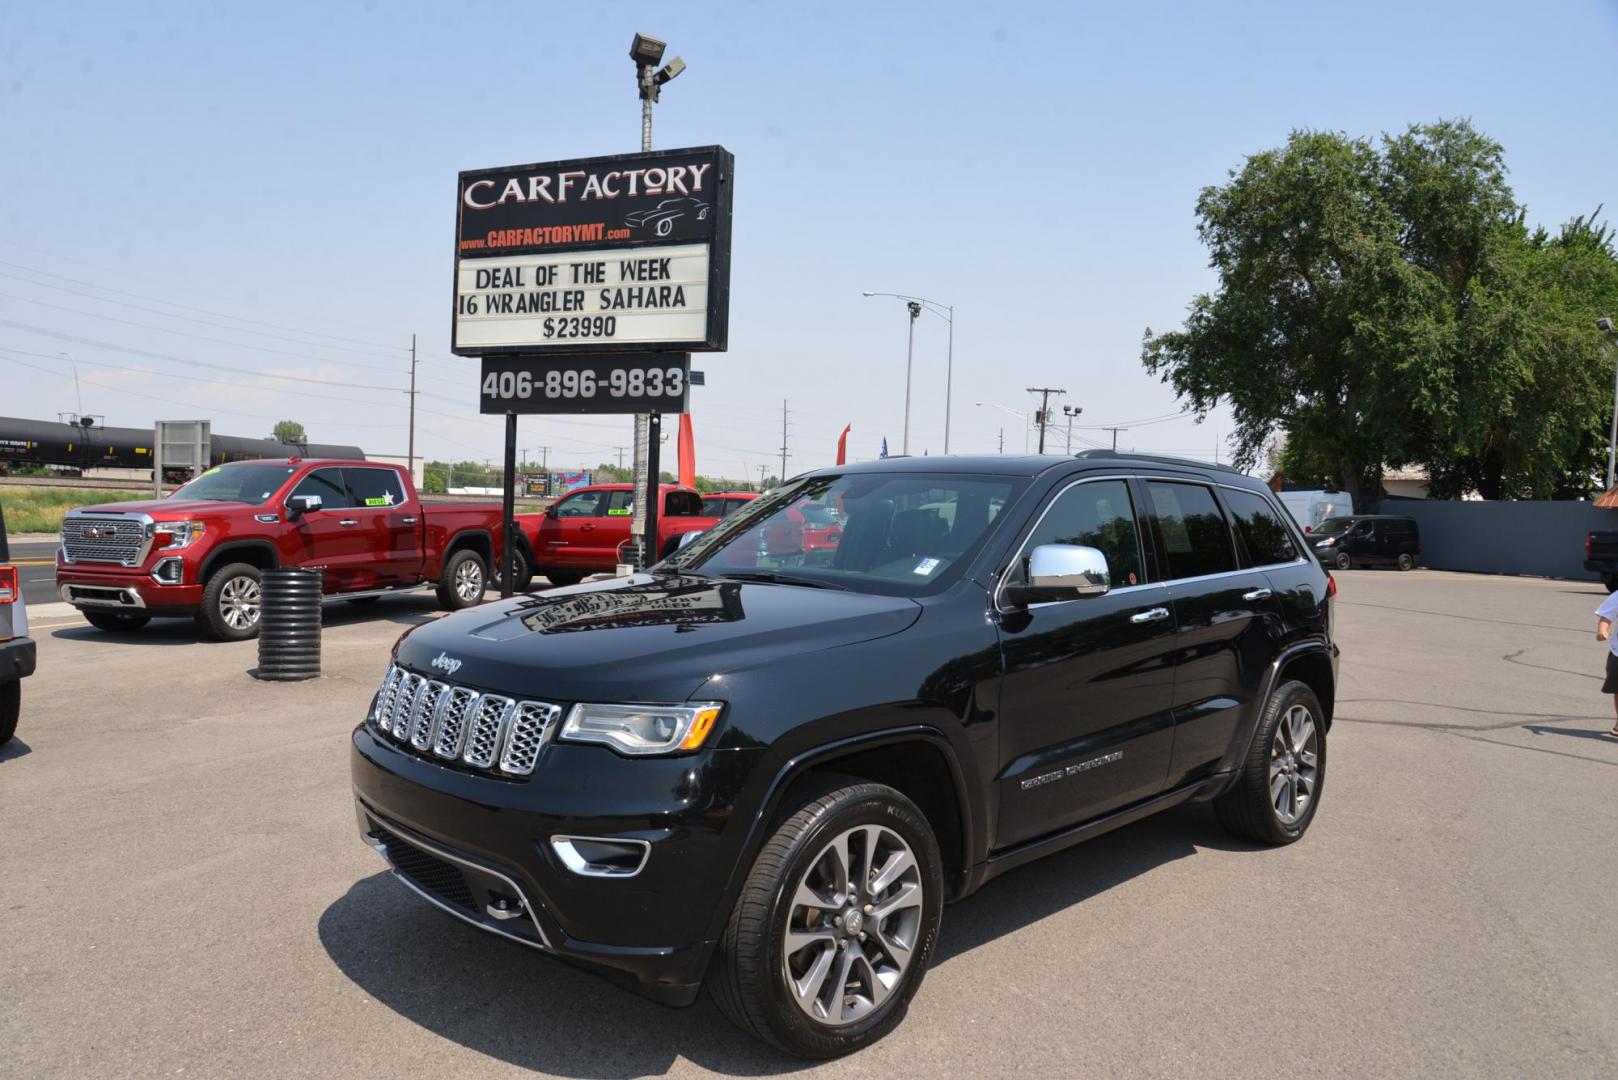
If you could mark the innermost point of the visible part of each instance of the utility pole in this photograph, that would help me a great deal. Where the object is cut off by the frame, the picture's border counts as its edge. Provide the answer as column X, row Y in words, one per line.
column 1002, row 440
column 1606, row 327
column 1043, row 416
column 1115, row 431
column 412, row 459
column 762, row 469
column 910, row 355
column 783, row 438
column 620, row 450
column 1071, row 411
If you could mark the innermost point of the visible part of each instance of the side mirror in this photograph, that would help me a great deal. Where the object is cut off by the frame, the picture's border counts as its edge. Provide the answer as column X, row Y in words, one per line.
column 552, row 513
column 687, row 538
column 1062, row 572
column 299, row 505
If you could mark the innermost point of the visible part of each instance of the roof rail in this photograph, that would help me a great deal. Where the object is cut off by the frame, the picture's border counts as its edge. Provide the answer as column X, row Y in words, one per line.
column 1162, row 459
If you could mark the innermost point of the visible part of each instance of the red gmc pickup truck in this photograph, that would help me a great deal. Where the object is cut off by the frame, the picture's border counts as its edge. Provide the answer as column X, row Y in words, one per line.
column 198, row 553
column 582, row 531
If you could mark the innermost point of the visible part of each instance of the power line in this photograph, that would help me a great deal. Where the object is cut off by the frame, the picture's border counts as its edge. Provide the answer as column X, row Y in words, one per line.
column 186, row 307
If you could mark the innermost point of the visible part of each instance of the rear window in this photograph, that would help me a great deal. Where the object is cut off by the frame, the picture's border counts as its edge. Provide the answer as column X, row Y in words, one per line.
column 1263, row 533
column 375, row 488
column 1192, row 534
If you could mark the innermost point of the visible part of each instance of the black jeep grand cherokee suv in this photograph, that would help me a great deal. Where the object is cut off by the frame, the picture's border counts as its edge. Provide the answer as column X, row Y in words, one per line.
column 767, row 764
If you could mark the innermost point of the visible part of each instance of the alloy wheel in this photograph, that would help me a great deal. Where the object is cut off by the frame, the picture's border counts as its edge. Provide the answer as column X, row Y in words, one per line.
column 854, row 923
column 239, row 603
column 1294, row 765
column 469, row 580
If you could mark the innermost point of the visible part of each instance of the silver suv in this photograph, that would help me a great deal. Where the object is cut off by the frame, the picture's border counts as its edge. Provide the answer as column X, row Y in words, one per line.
column 16, row 647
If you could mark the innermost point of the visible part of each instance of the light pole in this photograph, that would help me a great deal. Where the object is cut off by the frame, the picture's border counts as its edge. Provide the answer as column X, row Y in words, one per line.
column 1071, row 411
column 947, row 313
column 1008, row 409
column 1606, row 327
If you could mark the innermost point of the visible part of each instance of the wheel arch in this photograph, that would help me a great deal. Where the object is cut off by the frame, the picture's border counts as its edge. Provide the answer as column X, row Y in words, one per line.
column 479, row 540
column 259, row 553
column 1313, row 668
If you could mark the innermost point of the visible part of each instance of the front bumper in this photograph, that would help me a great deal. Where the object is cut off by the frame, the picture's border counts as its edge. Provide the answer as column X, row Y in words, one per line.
column 17, row 658
column 479, row 846
column 121, row 589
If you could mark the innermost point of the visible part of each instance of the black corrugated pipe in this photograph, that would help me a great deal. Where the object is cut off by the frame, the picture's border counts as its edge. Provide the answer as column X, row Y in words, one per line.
column 289, row 625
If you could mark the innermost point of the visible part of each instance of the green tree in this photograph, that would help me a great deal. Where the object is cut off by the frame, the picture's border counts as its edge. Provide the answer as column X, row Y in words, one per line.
column 1385, row 305
column 291, row 432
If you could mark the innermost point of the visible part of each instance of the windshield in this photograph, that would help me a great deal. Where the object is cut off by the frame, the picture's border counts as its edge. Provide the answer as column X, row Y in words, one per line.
column 905, row 534
column 1334, row 525
column 251, row 484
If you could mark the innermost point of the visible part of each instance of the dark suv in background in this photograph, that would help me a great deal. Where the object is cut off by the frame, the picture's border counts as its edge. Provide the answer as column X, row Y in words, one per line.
column 1368, row 540
column 768, row 767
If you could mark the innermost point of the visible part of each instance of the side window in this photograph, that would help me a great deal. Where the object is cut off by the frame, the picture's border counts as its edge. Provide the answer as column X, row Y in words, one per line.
column 1194, row 537
column 682, row 504
column 1261, row 530
column 328, row 484
column 580, row 504
column 620, row 504
column 375, row 488
column 1098, row 514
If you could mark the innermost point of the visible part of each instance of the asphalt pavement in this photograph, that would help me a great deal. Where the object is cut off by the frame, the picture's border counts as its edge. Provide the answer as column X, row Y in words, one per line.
column 35, row 561
column 184, row 890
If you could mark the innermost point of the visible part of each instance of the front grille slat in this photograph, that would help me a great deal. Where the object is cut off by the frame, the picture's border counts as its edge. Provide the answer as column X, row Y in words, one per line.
column 458, row 724
column 104, row 540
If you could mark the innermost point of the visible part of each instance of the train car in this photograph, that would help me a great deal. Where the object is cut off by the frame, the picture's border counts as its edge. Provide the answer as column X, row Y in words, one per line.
column 90, row 446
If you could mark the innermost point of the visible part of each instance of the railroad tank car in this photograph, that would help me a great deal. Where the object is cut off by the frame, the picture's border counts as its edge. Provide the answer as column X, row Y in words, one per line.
column 49, row 442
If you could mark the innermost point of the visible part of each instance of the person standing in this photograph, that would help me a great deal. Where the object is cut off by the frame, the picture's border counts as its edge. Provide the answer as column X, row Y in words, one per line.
column 1606, row 615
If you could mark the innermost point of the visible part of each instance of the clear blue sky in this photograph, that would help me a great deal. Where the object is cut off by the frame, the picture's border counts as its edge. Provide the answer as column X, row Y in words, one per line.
column 1036, row 165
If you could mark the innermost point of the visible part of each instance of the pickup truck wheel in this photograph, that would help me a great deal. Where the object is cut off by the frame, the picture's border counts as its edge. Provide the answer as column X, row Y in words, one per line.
column 463, row 581
column 114, row 621
column 1343, row 562
column 1406, row 562
column 10, row 709
column 1278, row 790
column 835, row 924
column 563, row 577
column 522, row 574
column 230, row 604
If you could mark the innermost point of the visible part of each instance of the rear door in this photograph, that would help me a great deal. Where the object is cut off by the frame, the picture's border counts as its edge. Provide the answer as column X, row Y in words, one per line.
column 1225, row 613
column 1086, row 703
column 389, row 522
column 329, row 537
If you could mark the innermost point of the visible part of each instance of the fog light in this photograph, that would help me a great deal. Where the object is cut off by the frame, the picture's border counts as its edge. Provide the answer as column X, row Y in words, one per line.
column 594, row 856
column 168, row 571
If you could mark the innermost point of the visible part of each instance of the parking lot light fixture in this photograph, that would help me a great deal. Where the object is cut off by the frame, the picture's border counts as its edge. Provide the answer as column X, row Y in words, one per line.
column 947, row 313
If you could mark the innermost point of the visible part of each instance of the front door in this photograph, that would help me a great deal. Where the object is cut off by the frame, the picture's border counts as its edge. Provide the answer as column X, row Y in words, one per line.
column 1086, row 704
column 329, row 537
column 566, row 533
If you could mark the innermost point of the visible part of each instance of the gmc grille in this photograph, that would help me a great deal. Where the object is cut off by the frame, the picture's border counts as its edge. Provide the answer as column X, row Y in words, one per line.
column 455, row 723
column 120, row 540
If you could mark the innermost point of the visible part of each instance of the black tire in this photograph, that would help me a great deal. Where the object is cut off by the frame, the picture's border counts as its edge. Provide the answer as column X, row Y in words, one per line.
column 1610, row 581
column 476, row 573
column 114, row 622
column 1343, row 562
column 563, row 577
column 1406, row 562
column 1247, row 808
column 522, row 576
column 748, row 978
column 220, row 618
column 10, row 709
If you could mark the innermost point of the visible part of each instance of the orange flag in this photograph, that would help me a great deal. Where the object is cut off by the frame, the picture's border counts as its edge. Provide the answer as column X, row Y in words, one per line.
column 687, row 452
column 842, row 445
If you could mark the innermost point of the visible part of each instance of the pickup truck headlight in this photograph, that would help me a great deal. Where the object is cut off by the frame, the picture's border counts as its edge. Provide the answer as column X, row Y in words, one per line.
column 173, row 535
column 642, row 729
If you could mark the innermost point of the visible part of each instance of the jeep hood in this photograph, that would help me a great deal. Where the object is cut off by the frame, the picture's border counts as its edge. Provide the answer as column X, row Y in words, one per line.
column 642, row 638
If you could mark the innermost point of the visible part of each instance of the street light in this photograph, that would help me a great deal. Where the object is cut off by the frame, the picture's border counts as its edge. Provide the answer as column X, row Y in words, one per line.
column 1013, row 412
column 947, row 313
column 1606, row 327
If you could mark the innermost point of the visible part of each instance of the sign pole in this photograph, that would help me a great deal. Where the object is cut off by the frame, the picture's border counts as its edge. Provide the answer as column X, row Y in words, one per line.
column 508, row 501
column 654, row 436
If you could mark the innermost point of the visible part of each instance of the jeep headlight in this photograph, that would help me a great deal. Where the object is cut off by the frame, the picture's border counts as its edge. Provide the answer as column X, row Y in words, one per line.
column 173, row 535
column 642, row 729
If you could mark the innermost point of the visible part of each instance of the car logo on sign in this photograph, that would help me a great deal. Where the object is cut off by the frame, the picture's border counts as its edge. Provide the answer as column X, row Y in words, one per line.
column 446, row 663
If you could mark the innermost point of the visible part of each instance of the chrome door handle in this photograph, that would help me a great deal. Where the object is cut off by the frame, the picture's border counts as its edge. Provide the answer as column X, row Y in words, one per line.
column 1150, row 615
column 1256, row 595
column 346, row 522
column 409, row 521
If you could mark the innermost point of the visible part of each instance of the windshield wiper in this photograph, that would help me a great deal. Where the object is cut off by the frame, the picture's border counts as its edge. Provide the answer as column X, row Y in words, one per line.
column 773, row 578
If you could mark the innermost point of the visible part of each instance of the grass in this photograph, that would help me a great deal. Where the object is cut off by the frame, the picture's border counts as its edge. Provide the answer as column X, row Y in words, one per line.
column 40, row 510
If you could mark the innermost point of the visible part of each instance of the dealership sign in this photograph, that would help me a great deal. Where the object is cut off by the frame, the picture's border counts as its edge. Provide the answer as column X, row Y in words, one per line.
column 614, row 254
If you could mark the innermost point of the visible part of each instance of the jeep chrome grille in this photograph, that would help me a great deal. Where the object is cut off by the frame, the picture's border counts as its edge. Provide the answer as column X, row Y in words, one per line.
column 121, row 540
column 486, row 731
